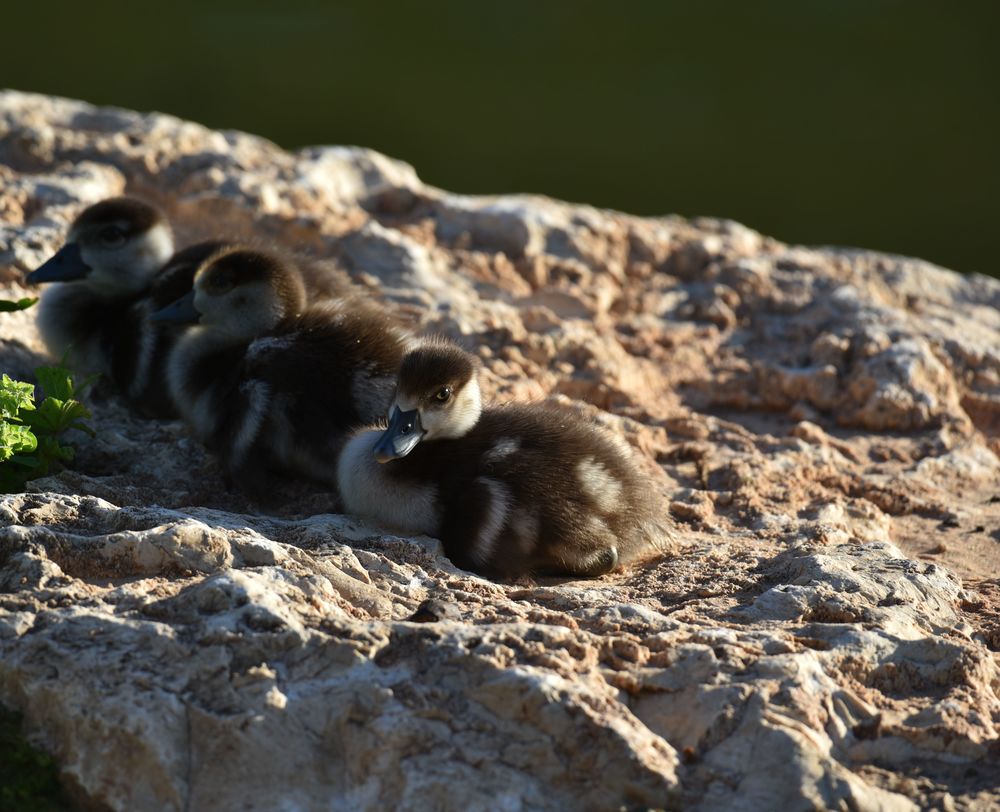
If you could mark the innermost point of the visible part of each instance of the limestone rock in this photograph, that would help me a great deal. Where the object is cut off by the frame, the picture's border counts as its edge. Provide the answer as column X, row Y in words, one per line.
column 822, row 426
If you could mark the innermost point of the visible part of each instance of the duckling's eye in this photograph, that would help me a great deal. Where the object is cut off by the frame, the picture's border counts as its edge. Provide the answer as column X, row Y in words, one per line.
column 218, row 285
column 443, row 394
column 112, row 236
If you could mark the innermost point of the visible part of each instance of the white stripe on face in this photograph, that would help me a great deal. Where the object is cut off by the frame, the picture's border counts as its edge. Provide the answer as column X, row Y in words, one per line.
column 457, row 419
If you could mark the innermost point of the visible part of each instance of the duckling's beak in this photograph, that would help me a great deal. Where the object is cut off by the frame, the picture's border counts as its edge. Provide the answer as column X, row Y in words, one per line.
column 401, row 437
column 64, row 266
column 182, row 311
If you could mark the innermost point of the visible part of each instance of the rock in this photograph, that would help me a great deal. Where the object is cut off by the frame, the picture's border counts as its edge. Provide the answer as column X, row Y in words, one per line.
column 818, row 423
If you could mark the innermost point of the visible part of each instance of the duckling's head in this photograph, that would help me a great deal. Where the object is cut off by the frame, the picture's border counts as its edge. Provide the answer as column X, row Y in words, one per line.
column 177, row 277
column 242, row 292
column 437, row 397
column 115, row 247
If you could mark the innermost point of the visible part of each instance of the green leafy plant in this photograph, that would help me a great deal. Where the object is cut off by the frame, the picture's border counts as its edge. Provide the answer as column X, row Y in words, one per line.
column 7, row 306
column 30, row 434
column 29, row 778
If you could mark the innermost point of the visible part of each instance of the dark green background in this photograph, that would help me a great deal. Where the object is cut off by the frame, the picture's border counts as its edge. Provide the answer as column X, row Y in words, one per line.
column 856, row 122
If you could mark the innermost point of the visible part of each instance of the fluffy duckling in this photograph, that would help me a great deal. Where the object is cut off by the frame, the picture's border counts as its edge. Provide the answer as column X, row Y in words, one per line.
column 509, row 490
column 113, row 251
column 147, row 382
column 116, row 254
column 270, row 384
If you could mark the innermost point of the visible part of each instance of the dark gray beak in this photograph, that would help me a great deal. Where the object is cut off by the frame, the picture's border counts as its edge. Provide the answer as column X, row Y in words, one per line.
column 64, row 266
column 401, row 437
column 182, row 311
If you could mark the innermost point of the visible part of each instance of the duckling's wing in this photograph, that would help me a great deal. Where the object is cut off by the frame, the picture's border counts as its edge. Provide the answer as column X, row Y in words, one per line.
column 324, row 354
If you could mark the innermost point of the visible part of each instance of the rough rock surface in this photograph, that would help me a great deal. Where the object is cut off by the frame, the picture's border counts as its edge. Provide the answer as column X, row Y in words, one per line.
column 823, row 425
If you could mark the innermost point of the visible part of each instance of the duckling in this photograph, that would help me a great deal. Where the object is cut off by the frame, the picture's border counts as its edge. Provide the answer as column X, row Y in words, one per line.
column 509, row 490
column 117, row 254
column 270, row 384
column 113, row 251
column 322, row 280
column 147, row 388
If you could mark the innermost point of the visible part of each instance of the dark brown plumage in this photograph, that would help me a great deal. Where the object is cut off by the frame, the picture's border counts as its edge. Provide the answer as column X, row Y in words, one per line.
column 104, row 285
column 529, row 488
column 133, row 215
column 273, row 385
column 426, row 369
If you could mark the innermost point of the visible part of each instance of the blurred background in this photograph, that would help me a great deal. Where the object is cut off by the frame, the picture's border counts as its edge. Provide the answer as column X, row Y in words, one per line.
column 871, row 123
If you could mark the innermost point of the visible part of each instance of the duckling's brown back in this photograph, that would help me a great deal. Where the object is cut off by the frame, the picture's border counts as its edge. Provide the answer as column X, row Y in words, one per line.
column 589, row 488
column 537, row 488
column 319, row 357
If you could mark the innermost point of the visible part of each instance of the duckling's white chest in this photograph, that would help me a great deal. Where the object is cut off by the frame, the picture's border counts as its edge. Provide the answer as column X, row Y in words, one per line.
column 368, row 490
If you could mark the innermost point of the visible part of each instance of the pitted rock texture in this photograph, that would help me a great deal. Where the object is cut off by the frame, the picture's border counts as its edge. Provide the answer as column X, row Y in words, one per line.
column 823, row 426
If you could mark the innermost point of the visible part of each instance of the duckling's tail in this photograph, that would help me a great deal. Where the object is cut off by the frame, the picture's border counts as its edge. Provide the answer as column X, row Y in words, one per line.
column 652, row 539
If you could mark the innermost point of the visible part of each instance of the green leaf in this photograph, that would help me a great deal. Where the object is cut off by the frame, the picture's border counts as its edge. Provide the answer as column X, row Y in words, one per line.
column 15, row 439
column 56, row 382
column 29, row 444
column 49, row 451
column 55, row 416
column 79, row 425
column 73, row 413
column 15, row 396
column 46, row 417
column 54, row 451
column 8, row 306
